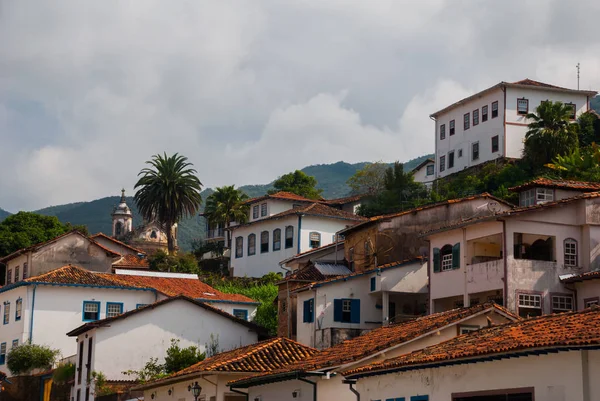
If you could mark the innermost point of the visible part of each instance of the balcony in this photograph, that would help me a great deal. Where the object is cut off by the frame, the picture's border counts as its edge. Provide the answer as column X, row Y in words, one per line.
column 216, row 234
column 485, row 276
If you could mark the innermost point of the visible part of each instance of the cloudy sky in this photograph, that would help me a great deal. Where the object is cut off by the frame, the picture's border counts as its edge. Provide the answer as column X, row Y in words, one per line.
column 249, row 90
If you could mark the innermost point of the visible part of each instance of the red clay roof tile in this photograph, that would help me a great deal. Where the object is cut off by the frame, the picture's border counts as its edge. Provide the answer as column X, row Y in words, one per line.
column 116, row 241
column 132, row 262
column 560, row 184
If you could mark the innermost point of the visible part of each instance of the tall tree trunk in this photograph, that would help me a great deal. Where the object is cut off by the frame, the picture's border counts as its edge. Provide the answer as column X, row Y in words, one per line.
column 170, row 241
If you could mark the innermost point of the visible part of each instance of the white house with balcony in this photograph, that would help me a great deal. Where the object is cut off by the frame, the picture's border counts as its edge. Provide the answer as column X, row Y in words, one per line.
column 282, row 225
column 492, row 123
column 517, row 257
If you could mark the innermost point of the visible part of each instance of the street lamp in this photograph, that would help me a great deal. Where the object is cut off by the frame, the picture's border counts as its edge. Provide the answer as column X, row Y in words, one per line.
column 195, row 389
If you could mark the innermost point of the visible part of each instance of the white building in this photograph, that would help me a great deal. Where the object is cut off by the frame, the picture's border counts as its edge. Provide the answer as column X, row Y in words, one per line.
column 213, row 373
column 492, row 123
column 552, row 358
column 128, row 341
column 318, row 377
column 517, row 257
column 425, row 172
column 280, row 226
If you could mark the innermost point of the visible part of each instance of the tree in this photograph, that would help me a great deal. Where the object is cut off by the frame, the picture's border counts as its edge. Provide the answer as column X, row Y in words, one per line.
column 180, row 263
column 168, row 191
column 589, row 128
column 550, row 133
column 298, row 183
column 368, row 180
column 580, row 164
column 225, row 205
column 26, row 357
column 178, row 358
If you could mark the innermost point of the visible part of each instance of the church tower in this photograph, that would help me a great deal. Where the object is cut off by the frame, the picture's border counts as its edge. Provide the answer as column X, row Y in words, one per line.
column 122, row 220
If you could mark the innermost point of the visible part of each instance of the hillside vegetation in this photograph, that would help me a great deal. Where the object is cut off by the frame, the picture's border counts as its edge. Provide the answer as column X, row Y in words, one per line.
column 3, row 214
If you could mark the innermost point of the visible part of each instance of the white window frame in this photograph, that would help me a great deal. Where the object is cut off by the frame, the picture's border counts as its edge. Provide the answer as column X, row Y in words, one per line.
column 446, row 262
column 263, row 209
column 112, row 305
column 239, row 246
column 532, row 301
column 590, row 302
column 527, row 198
column 520, row 103
column 6, row 316
column 346, row 305
column 316, row 235
column 473, row 151
column 562, row 303
column 570, row 249
column 430, row 167
column 442, row 163
column 543, row 195
column 255, row 212
column 463, row 329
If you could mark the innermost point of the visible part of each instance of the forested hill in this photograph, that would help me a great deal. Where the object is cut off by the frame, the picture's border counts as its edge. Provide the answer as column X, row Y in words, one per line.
column 96, row 214
column 3, row 214
column 595, row 103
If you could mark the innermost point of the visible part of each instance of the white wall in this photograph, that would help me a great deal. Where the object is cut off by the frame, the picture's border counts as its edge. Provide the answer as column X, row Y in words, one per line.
column 282, row 391
column 327, row 228
column 212, row 386
column 15, row 329
column 421, row 176
column 540, row 372
column 229, row 307
column 114, row 246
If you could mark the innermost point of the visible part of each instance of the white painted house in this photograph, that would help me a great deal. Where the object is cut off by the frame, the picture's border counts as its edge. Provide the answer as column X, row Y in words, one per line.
column 319, row 376
column 280, row 226
column 128, row 341
column 492, row 123
column 554, row 358
column 425, row 172
column 517, row 257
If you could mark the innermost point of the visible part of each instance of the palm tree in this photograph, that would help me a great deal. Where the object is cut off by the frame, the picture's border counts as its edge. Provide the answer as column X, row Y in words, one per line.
column 169, row 190
column 226, row 205
column 551, row 133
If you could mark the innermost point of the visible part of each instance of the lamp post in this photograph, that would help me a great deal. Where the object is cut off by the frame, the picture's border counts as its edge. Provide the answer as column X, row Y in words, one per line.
column 195, row 389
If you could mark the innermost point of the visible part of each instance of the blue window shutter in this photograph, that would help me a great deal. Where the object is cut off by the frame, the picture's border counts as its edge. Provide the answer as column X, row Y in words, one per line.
column 373, row 284
column 355, row 311
column 436, row 260
column 456, row 256
column 337, row 310
column 419, row 398
column 306, row 317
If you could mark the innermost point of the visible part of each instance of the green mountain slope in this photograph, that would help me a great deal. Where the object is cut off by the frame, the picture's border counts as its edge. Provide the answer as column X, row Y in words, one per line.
column 3, row 214
column 96, row 214
column 595, row 103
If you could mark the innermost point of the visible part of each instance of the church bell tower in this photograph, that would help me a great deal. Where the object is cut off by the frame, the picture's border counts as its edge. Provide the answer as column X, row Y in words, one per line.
column 122, row 220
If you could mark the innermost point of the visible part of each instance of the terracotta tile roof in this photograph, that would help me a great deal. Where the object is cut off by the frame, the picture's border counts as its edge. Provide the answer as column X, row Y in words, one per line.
column 75, row 275
column 107, row 321
column 281, row 195
column 376, row 219
column 560, row 184
column 132, row 262
column 102, row 235
column 549, row 331
column 307, row 273
column 359, row 348
column 340, row 245
column 343, row 201
column 169, row 286
column 575, row 278
column 531, row 82
column 264, row 356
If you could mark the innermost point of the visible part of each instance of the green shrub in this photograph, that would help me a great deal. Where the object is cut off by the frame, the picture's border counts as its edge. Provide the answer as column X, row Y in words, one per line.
column 180, row 358
column 26, row 357
column 63, row 373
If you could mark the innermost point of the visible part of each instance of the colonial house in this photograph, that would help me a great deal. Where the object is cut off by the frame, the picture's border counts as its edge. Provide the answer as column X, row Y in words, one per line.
column 344, row 307
column 425, row 172
column 213, row 373
column 318, row 376
column 117, row 246
column 517, row 257
column 280, row 226
column 126, row 342
column 553, row 357
column 585, row 286
column 492, row 123
column 43, row 308
column 72, row 247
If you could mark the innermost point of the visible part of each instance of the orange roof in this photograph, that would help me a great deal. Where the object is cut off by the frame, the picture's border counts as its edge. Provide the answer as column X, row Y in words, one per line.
column 264, row 356
column 344, row 200
column 384, row 338
column 560, row 184
column 70, row 274
column 550, row 331
column 132, row 262
column 531, row 82
column 170, row 286
column 283, row 195
column 116, row 241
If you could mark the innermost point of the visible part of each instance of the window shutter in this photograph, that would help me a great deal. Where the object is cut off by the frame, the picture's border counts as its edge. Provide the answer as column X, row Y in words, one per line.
column 456, row 256
column 306, row 318
column 337, row 310
column 355, row 311
column 436, row 260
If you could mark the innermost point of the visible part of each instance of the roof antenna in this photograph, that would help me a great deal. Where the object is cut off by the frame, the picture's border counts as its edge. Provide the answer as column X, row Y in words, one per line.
column 578, row 66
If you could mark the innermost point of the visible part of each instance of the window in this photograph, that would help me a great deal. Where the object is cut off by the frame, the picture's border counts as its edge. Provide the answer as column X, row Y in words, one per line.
column 315, row 240
column 451, row 159
column 475, row 117
column 465, row 328
column 530, row 305
column 467, row 121
column 484, row 113
column 78, row 395
column 346, row 310
column 18, row 309
column 495, row 109
column 241, row 314
column 534, row 247
column 430, row 170
column 2, row 353
column 475, row 151
column 91, row 310
column 522, row 106
column 519, row 394
column 239, row 247
column 451, row 126
column 562, row 303
column 277, row 239
column 495, row 144
column 570, row 252
column 589, row 302
column 419, row 398
column 88, row 365
column 373, row 284
column 459, row 153
column 6, row 312
column 255, row 212
column 8, row 276
column 442, row 131
column 251, row 244
column 367, row 250
column 527, row 198
column 543, row 195
column 263, row 209
column 138, row 306
column 447, row 258
column 264, row 242
column 442, row 163
column 25, row 270
column 447, row 261
column 15, row 343
column 289, row 237
column 80, row 364
column 113, row 309
column 351, row 259
column 153, row 235
column 17, row 273
column 308, row 315
column 573, row 109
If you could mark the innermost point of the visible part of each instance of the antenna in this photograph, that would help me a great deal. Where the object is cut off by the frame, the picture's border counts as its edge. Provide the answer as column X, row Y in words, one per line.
column 578, row 66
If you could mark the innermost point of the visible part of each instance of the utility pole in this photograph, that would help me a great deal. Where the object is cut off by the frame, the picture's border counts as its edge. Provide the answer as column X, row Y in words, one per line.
column 578, row 66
